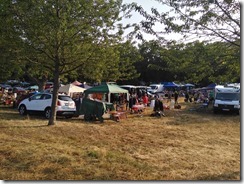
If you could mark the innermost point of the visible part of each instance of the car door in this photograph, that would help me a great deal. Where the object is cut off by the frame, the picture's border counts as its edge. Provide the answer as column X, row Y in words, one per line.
column 33, row 102
column 46, row 101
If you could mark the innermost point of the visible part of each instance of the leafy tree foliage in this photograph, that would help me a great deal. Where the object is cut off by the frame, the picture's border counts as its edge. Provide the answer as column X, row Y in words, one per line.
column 213, row 20
column 8, row 50
column 197, row 62
column 153, row 67
column 61, row 36
column 129, row 55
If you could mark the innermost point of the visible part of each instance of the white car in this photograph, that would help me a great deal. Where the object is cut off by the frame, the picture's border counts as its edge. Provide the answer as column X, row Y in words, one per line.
column 41, row 102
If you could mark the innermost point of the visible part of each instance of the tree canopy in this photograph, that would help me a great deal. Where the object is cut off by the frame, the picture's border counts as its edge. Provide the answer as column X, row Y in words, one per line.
column 208, row 20
column 196, row 62
column 58, row 37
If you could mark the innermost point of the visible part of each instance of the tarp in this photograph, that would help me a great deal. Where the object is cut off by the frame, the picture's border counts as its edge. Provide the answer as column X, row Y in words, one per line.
column 71, row 88
column 106, row 88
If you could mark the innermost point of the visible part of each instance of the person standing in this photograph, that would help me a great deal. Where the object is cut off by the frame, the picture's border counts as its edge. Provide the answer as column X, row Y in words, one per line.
column 158, row 107
column 169, row 96
column 145, row 100
column 176, row 95
column 77, row 100
column 130, row 102
column 186, row 96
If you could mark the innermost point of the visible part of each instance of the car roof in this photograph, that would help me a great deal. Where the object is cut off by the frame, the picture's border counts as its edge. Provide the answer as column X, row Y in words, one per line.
column 130, row 86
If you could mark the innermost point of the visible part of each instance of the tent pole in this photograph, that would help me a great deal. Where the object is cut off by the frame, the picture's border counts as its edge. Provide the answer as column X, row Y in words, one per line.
column 109, row 97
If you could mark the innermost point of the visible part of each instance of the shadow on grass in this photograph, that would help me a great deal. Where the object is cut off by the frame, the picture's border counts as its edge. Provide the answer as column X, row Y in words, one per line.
column 23, row 126
column 10, row 114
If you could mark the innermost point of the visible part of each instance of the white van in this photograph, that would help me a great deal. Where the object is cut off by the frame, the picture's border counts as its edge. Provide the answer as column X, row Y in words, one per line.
column 226, row 99
column 156, row 88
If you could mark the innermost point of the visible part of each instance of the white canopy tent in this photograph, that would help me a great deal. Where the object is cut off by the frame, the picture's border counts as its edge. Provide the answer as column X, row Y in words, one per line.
column 71, row 88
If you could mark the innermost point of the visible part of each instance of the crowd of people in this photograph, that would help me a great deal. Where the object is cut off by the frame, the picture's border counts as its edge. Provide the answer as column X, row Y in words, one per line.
column 139, row 98
column 170, row 97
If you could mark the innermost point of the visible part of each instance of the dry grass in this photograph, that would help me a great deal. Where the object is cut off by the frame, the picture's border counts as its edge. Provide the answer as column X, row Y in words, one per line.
column 184, row 145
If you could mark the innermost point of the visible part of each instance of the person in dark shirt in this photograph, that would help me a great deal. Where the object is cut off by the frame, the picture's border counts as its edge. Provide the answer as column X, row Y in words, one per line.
column 176, row 95
column 187, row 96
column 158, row 107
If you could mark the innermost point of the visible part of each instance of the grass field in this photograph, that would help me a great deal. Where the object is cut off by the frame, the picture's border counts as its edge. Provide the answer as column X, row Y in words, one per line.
column 184, row 145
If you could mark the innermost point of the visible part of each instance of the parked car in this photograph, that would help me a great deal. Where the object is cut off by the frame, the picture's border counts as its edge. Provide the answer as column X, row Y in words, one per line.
column 48, row 85
column 5, row 87
column 18, row 90
column 21, row 97
column 156, row 88
column 41, row 103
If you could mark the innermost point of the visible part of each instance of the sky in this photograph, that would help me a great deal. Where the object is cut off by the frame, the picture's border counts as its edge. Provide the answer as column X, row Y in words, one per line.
column 147, row 5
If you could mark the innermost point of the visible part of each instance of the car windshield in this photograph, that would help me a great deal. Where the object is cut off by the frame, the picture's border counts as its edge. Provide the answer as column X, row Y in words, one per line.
column 228, row 96
column 64, row 98
column 36, row 97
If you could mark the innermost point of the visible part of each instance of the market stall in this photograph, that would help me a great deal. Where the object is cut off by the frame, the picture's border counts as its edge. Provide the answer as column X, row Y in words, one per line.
column 97, row 100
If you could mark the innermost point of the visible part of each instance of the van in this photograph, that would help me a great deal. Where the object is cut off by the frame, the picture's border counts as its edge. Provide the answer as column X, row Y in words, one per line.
column 226, row 99
column 130, row 88
column 156, row 88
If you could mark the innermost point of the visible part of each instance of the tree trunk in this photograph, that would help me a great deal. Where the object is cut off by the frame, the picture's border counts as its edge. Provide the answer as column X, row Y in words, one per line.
column 40, row 82
column 52, row 120
column 41, row 85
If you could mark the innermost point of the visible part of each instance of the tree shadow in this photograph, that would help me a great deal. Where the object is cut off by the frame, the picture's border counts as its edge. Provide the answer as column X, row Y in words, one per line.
column 23, row 126
column 13, row 114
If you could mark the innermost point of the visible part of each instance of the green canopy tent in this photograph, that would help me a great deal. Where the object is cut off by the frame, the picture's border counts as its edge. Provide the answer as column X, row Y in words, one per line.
column 93, row 109
column 108, row 89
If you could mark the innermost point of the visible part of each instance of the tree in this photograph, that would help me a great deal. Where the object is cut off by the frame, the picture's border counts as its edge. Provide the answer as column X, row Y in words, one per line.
column 213, row 20
column 61, row 36
column 154, row 65
column 224, row 62
column 116, row 64
column 129, row 55
column 197, row 62
column 8, row 50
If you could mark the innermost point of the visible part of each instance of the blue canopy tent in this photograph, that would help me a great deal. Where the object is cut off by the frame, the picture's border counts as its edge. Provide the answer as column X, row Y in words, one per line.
column 211, row 86
column 170, row 85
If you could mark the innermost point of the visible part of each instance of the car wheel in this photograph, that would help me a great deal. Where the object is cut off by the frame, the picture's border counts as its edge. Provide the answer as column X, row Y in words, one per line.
column 48, row 113
column 22, row 110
